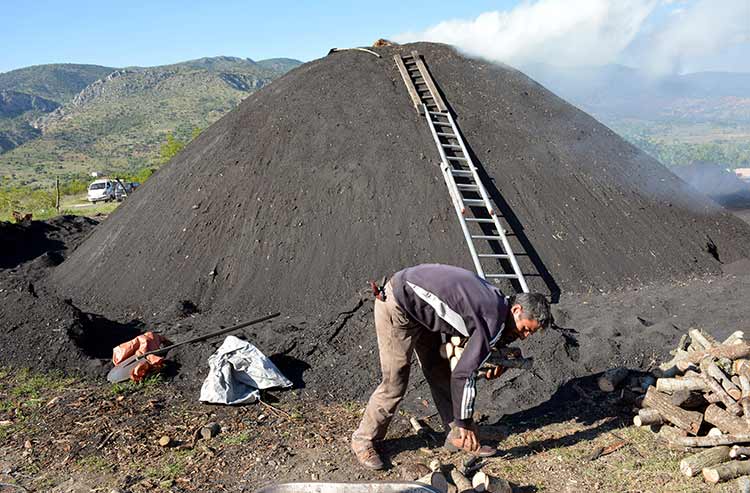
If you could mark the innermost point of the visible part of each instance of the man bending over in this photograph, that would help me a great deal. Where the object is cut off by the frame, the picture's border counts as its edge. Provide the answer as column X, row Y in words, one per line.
column 418, row 304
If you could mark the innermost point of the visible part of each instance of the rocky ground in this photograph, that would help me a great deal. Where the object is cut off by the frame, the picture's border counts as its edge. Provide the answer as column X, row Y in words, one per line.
column 65, row 435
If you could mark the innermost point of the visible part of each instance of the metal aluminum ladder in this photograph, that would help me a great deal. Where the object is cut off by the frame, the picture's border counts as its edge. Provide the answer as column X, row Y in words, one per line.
column 476, row 213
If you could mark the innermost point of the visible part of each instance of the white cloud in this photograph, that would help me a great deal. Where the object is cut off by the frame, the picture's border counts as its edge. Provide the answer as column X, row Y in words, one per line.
column 595, row 32
column 702, row 29
column 560, row 32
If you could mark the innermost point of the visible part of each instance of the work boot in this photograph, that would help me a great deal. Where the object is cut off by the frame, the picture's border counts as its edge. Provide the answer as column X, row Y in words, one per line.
column 453, row 444
column 366, row 454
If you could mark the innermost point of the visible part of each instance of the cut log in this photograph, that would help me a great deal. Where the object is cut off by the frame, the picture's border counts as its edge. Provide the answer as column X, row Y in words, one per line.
column 724, row 421
column 610, row 379
column 671, row 385
column 454, row 362
column 485, row 482
column 734, row 338
column 690, row 466
column 457, row 352
column 689, row 421
column 669, row 369
column 670, row 435
column 743, row 484
column 446, row 350
column 732, row 351
column 165, row 441
column 714, row 432
column 725, row 472
column 717, row 389
column 436, row 480
column 738, row 450
column 456, row 341
column 707, row 441
column 647, row 417
column 462, row 484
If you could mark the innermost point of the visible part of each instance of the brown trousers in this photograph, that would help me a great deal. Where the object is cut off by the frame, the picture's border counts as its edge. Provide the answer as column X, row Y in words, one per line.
column 398, row 338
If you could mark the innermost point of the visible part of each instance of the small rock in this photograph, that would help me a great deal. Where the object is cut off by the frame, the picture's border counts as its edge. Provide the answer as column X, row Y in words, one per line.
column 27, row 444
column 165, row 441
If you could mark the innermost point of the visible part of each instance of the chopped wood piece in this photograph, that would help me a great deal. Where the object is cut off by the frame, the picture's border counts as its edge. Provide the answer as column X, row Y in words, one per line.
column 715, row 372
column 737, row 451
column 690, row 466
column 725, row 421
column 714, row 432
column 484, row 482
column 453, row 362
column 609, row 381
column 210, row 430
column 671, row 385
column 165, row 441
column 457, row 352
column 647, row 417
column 462, row 484
column 734, row 338
column 711, row 398
column 741, row 367
column 670, row 368
column 725, row 472
column 456, row 341
column 745, row 401
column 689, row 421
column 732, row 351
column 436, row 480
column 707, row 441
column 446, row 350
column 717, row 389
column 700, row 340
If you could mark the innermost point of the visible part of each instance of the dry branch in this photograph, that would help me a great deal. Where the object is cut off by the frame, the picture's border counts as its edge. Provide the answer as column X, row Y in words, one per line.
column 725, row 421
column 671, row 385
column 718, row 390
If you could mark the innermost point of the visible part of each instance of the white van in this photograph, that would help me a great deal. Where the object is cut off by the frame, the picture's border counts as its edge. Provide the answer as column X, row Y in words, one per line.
column 103, row 189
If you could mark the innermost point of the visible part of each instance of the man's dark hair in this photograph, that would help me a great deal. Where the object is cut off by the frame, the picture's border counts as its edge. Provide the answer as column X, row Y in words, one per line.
column 535, row 307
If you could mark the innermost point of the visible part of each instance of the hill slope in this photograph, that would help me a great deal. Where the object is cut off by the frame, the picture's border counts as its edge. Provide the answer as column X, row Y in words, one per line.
column 118, row 122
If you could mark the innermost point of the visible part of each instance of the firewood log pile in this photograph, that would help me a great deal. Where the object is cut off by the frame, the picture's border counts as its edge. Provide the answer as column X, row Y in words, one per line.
column 701, row 400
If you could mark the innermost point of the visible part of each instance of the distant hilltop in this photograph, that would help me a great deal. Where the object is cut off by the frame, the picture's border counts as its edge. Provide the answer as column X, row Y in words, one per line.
column 82, row 117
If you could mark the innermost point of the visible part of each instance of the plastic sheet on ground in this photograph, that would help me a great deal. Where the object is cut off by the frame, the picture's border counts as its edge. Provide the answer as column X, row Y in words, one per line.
column 237, row 370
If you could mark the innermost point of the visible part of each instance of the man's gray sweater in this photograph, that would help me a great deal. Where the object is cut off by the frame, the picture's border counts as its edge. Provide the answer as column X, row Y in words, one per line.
column 458, row 302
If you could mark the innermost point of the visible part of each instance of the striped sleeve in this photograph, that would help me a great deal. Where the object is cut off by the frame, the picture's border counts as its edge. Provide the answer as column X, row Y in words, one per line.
column 463, row 378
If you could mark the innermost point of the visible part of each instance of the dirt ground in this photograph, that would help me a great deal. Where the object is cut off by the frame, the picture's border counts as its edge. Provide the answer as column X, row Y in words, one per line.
column 60, row 434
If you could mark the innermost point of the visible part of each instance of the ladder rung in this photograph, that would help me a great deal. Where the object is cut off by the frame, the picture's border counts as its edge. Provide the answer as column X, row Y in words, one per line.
column 474, row 201
column 456, row 158
column 502, row 276
column 460, row 172
column 493, row 255
column 478, row 220
column 440, row 113
column 451, row 146
column 466, row 186
column 443, row 134
column 486, row 237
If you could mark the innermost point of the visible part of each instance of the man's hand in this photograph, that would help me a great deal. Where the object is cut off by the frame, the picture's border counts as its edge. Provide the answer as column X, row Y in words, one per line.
column 469, row 440
column 515, row 352
column 494, row 372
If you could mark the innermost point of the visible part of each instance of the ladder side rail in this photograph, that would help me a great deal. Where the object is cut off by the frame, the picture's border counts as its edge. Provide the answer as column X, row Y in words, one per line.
column 408, row 82
column 445, row 165
column 429, row 82
column 464, row 228
column 490, row 209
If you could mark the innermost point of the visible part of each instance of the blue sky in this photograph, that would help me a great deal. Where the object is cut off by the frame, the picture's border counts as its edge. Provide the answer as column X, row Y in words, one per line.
column 576, row 32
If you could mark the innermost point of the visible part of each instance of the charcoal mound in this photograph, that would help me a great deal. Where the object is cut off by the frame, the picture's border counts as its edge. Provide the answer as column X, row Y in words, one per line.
column 328, row 177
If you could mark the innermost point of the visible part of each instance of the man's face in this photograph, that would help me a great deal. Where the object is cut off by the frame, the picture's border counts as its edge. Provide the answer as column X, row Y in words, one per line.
column 524, row 326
